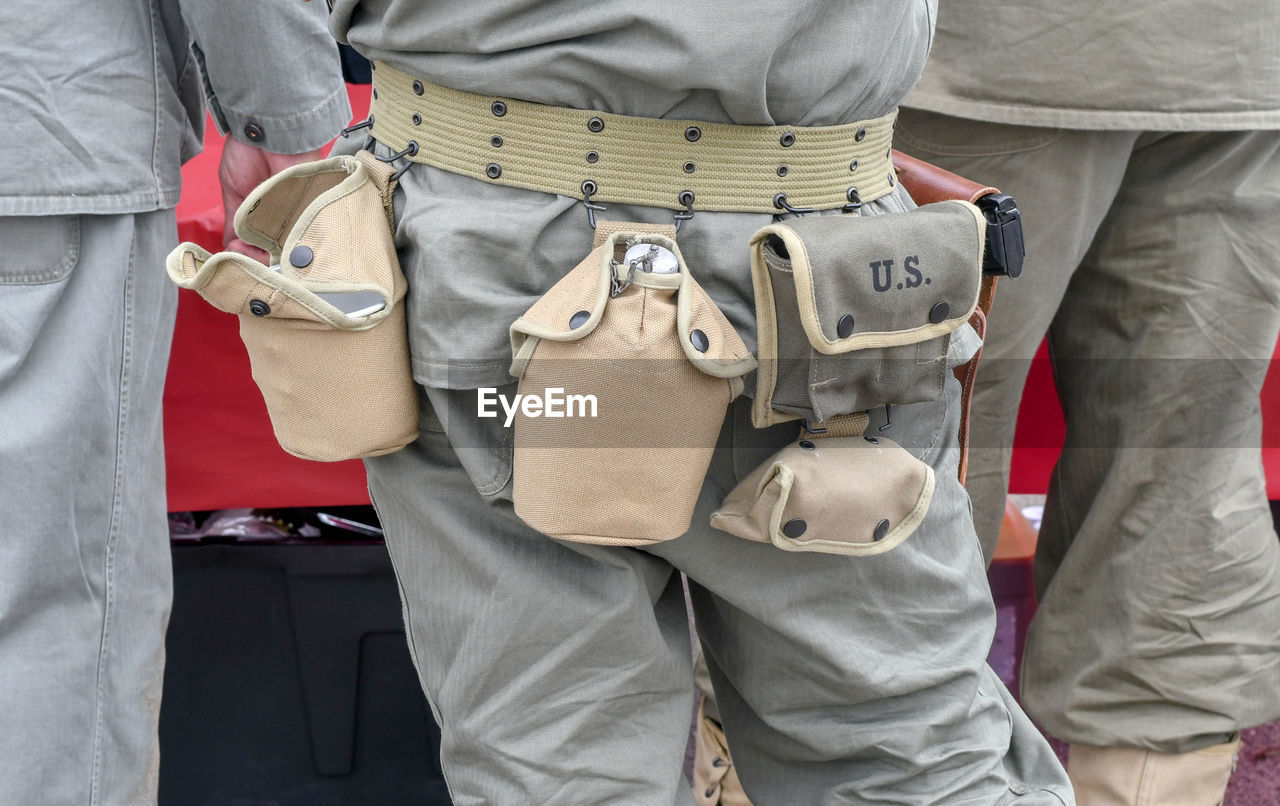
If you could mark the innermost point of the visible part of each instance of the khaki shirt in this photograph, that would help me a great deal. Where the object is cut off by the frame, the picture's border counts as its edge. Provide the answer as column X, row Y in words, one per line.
column 478, row 255
column 803, row 62
column 103, row 100
column 1163, row 65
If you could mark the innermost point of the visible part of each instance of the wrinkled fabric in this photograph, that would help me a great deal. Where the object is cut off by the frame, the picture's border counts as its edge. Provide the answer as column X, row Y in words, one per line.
column 1152, row 263
column 802, row 63
column 85, row 578
column 560, row 672
column 107, row 97
column 1168, row 65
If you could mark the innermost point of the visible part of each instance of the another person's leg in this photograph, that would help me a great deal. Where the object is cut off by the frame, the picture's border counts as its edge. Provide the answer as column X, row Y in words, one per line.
column 1064, row 182
column 86, row 314
column 1158, row 568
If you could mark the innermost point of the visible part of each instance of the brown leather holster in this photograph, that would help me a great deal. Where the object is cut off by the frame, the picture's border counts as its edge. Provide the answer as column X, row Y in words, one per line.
column 928, row 183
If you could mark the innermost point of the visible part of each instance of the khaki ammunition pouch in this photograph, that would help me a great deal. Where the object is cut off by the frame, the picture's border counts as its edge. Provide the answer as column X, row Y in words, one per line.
column 839, row 495
column 337, row 385
column 661, row 363
column 855, row 312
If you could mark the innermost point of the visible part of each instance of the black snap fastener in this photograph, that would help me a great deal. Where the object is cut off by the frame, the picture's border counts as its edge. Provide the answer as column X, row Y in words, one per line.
column 718, row 762
column 254, row 132
column 882, row 529
column 417, row 119
column 593, row 156
column 595, row 125
column 711, row 790
column 853, row 165
column 860, row 135
column 496, row 141
column 579, row 319
column 872, row 440
column 259, row 308
column 689, row 167
column 844, row 328
column 938, row 313
column 375, row 93
column 782, row 170
column 417, row 87
column 806, row 444
column 692, row 134
column 493, row 170
column 498, row 108
column 699, row 341
column 301, row 256
column 787, row 139
column 891, row 180
column 794, row 527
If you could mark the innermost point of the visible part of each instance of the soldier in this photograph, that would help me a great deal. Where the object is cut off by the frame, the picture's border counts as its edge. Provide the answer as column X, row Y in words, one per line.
column 103, row 104
column 559, row 671
column 1142, row 147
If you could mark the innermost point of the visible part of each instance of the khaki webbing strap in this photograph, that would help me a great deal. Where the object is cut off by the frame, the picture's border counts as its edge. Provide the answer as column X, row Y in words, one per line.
column 631, row 160
column 606, row 228
column 842, row 425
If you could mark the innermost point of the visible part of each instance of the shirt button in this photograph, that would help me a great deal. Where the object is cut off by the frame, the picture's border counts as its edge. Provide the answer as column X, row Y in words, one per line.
column 254, row 132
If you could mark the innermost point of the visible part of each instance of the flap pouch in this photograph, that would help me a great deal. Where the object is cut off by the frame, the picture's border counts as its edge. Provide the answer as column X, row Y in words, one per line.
column 575, row 306
column 857, row 311
column 838, row 495
column 329, row 219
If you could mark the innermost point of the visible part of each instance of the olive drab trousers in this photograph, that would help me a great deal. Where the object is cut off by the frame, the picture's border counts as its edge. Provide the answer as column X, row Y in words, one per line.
column 1153, row 263
column 560, row 672
column 86, row 316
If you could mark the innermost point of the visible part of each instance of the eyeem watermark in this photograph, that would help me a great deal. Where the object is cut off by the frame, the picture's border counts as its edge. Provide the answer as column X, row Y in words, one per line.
column 552, row 403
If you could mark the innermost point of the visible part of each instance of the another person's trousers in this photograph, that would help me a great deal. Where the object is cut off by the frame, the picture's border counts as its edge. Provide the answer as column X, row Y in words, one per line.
column 86, row 314
column 1153, row 263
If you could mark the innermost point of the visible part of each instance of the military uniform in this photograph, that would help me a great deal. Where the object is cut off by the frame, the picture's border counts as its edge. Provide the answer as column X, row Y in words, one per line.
column 559, row 671
column 1141, row 144
column 103, row 103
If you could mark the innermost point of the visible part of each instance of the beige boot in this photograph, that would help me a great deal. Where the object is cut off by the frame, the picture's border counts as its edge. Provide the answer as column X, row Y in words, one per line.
column 1126, row 776
column 714, row 780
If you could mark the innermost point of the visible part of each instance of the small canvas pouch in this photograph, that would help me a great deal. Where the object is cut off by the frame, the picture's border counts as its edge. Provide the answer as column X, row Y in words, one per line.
column 854, row 312
column 644, row 365
column 324, row 326
column 852, row 495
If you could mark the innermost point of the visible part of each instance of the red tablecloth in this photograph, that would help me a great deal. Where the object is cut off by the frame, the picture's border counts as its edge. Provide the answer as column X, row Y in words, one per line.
column 221, row 451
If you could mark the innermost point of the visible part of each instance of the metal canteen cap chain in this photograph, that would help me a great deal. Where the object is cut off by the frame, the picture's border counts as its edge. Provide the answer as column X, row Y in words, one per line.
column 652, row 258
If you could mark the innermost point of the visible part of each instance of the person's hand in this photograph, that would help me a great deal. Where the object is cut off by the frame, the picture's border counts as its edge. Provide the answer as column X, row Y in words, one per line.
column 242, row 169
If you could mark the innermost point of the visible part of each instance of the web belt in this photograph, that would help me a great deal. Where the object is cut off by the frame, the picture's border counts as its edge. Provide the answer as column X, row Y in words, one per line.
column 675, row 164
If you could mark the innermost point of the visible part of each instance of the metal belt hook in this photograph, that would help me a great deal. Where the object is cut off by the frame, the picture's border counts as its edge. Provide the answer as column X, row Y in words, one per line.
column 780, row 201
column 367, row 123
column 409, row 151
column 685, row 198
column 589, row 189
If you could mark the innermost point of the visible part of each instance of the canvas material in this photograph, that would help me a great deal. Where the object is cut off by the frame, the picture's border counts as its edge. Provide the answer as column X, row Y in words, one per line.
column 715, row 782
column 1128, row 776
column 636, row 160
column 631, row 475
column 839, row 489
column 336, row 386
column 810, row 273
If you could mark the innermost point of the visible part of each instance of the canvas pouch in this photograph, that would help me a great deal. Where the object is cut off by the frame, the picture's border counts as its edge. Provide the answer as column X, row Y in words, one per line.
column 660, row 361
column 851, row 495
column 337, row 385
column 855, row 312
